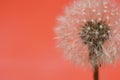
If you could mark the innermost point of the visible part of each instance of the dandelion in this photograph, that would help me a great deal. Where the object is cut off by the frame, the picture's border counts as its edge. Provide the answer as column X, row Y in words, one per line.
column 89, row 32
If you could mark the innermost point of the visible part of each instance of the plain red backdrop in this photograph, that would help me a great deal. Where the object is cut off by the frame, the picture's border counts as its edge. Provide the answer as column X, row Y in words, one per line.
column 27, row 47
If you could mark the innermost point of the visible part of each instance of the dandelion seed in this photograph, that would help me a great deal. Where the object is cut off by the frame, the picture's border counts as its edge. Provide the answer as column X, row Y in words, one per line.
column 84, row 20
column 105, row 11
column 107, row 17
column 101, row 26
column 93, row 10
column 98, row 13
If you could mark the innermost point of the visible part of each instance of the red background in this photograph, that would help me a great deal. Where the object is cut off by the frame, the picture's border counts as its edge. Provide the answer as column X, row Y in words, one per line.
column 27, row 47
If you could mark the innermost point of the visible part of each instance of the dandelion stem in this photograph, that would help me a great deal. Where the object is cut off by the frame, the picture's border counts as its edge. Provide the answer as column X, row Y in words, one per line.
column 96, row 72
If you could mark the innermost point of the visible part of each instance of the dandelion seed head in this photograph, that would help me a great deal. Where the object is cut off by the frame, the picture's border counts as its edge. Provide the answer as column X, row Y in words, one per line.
column 89, row 32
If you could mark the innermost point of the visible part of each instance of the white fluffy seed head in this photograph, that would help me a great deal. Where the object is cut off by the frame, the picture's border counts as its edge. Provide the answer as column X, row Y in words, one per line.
column 77, row 14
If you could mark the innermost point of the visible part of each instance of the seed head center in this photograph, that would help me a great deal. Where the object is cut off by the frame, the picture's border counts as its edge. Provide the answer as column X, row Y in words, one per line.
column 94, row 33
